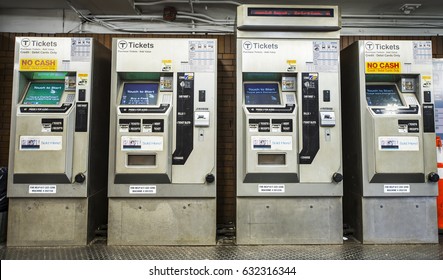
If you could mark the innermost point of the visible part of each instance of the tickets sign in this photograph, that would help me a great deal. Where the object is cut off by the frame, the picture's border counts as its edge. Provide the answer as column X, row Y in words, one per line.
column 383, row 67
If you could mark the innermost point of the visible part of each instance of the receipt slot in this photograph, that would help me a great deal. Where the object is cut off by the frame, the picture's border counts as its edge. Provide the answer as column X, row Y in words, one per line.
column 58, row 148
column 162, row 150
column 389, row 141
column 289, row 178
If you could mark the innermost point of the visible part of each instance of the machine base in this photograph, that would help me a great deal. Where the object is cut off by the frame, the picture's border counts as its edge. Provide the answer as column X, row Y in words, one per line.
column 162, row 221
column 289, row 220
column 47, row 222
column 387, row 220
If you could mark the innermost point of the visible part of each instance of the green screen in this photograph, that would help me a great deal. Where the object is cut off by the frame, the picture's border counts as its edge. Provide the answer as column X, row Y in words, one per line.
column 49, row 75
column 44, row 93
column 133, row 76
column 41, row 75
column 261, row 77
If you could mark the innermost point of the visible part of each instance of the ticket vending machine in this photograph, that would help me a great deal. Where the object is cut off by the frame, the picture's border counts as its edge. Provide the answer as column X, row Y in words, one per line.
column 437, row 75
column 162, row 188
column 289, row 177
column 59, row 138
column 389, row 141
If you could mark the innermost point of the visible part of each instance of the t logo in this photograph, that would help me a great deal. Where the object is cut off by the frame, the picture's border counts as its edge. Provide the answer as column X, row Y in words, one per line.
column 25, row 42
column 247, row 45
column 122, row 44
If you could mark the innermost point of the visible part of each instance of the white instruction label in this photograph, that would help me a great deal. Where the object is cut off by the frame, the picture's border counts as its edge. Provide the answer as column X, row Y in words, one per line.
column 43, row 189
column 400, row 143
column 271, row 188
column 143, row 189
column 142, row 143
column 326, row 56
column 202, row 56
column 273, row 143
column 397, row 188
column 41, row 143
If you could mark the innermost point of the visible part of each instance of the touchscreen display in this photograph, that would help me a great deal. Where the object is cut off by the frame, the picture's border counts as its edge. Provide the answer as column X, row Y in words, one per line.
column 44, row 93
column 139, row 94
column 262, row 93
column 383, row 95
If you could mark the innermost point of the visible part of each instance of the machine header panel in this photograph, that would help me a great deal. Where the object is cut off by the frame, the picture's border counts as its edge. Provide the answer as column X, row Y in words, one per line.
column 163, row 56
column 395, row 57
column 52, row 54
column 281, row 56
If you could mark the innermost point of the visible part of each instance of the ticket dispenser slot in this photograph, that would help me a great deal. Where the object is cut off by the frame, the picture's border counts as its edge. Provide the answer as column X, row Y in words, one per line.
column 44, row 128
column 143, row 136
column 270, row 113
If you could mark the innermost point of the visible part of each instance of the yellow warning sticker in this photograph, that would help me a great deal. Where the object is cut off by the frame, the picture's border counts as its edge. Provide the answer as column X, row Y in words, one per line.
column 427, row 81
column 383, row 67
column 292, row 65
column 166, row 65
column 38, row 64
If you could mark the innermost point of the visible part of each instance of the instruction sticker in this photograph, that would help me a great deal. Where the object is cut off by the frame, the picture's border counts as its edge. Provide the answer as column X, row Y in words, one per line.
column 426, row 81
column 142, row 143
column 143, row 189
column 383, row 67
column 292, row 65
column 397, row 188
column 166, row 65
column 82, row 79
column 271, row 188
column 41, row 143
column 81, row 49
column 202, row 56
column 43, row 189
column 326, row 54
column 27, row 64
column 273, row 143
column 400, row 143
column 422, row 52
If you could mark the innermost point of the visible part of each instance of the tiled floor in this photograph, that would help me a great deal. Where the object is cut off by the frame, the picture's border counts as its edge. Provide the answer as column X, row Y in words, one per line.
column 350, row 250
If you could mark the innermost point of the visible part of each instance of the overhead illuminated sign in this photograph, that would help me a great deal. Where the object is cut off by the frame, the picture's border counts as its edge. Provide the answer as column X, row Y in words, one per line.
column 290, row 12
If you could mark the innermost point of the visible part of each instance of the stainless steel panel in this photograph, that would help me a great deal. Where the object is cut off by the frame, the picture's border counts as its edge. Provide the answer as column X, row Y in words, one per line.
column 289, row 220
column 399, row 220
column 47, row 222
column 157, row 221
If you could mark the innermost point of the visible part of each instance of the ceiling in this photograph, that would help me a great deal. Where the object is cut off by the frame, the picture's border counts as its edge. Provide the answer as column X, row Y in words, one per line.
column 103, row 7
column 218, row 16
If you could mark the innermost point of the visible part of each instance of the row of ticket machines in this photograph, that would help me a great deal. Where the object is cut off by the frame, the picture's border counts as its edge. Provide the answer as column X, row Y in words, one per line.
column 155, row 104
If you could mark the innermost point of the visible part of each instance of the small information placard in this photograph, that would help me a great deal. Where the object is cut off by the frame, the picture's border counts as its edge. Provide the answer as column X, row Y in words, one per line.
column 43, row 189
column 268, row 188
column 143, row 189
column 397, row 188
